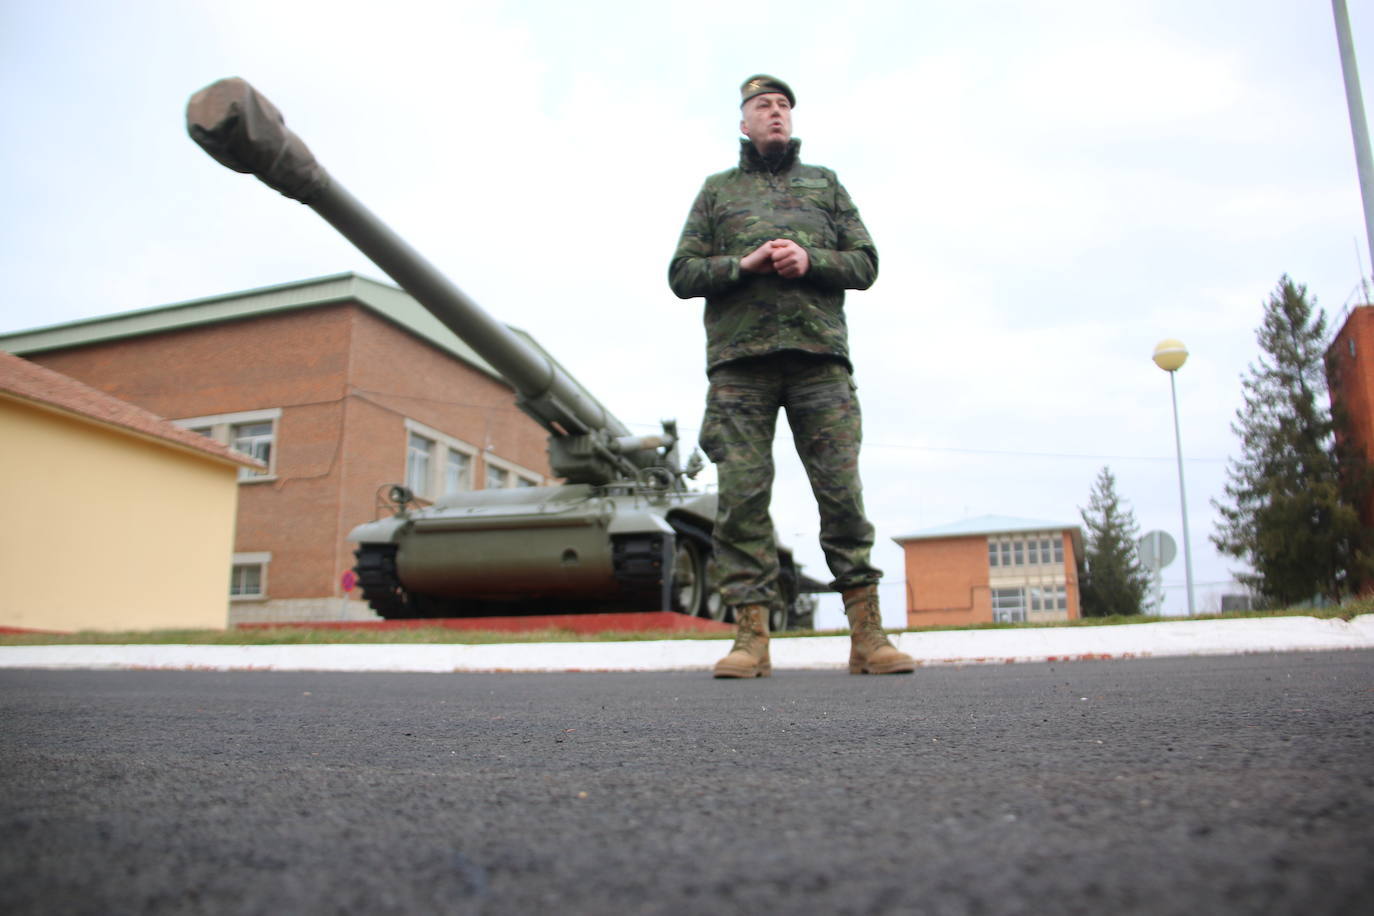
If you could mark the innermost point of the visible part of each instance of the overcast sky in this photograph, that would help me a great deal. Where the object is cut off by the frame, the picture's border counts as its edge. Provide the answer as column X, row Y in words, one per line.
column 1054, row 186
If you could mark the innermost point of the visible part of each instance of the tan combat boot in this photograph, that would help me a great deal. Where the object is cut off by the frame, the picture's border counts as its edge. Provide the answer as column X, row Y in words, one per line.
column 871, row 652
column 749, row 655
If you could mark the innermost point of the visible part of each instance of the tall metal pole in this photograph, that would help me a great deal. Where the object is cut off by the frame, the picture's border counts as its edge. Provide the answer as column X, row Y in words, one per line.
column 1182, row 498
column 1358, row 129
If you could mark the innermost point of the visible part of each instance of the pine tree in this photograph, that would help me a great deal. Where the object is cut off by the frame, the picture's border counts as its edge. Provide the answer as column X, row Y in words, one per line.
column 1111, row 579
column 1288, row 517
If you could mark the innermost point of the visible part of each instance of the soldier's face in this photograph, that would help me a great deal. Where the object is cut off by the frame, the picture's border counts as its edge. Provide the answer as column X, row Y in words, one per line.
column 767, row 120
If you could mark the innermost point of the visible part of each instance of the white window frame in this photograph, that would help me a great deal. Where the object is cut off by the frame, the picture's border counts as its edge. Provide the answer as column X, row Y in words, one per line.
column 468, row 472
column 221, row 429
column 437, row 482
column 1010, row 604
column 419, row 477
column 261, row 560
column 518, row 476
column 1033, row 550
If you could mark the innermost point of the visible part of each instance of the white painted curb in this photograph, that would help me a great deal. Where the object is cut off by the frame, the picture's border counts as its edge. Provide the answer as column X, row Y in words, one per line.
column 947, row 647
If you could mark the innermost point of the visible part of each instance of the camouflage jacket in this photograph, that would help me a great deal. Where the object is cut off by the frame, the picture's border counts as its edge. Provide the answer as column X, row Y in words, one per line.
column 738, row 210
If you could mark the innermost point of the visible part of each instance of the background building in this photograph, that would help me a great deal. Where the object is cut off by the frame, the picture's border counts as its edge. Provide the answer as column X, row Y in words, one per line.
column 341, row 385
column 1350, row 377
column 992, row 568
column 115, row 519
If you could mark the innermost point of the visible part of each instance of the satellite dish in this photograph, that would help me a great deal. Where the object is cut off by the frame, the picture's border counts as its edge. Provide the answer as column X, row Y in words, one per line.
column 1157, row 550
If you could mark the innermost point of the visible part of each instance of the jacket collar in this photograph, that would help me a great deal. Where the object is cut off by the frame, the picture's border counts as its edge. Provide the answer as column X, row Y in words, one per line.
column 751, row 161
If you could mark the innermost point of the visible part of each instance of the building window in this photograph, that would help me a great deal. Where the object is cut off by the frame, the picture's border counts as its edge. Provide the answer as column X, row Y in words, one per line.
column 502, row 474
column 1049, row 598
column 246, row 581
column 1035, row 551
column 248, row 576
column 253, row 439
column 252, row 432
column 1009, row 605
column 436, row 464
column 418, row 453
column 457, row 472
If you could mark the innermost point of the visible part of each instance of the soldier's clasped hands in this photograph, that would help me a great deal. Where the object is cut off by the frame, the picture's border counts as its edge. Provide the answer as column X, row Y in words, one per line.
column 783, row 256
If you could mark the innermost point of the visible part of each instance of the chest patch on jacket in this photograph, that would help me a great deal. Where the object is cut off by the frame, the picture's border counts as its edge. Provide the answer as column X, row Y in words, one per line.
column 814, row 183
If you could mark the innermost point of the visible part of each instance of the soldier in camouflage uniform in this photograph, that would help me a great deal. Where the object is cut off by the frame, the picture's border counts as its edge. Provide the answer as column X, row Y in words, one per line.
column 773, row 245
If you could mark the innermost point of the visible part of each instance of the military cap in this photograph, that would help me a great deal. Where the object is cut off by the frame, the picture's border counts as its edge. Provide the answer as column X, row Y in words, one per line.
column 760, row 83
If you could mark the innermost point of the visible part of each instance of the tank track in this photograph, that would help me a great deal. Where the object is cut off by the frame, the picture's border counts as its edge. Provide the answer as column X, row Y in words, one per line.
column 376, row 569
column 642, row 563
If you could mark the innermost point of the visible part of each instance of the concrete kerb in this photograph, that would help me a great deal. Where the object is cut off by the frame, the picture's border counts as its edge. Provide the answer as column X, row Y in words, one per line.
column 949, row 647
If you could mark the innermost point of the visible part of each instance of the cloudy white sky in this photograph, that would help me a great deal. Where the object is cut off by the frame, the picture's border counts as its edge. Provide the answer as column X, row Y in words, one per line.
column 1054, row 187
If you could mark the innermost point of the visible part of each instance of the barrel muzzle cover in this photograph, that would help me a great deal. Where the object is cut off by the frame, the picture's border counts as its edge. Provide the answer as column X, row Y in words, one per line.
column 244, row 131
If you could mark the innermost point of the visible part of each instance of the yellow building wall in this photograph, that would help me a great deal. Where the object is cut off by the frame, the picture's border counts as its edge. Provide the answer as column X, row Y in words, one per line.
column 100, row 530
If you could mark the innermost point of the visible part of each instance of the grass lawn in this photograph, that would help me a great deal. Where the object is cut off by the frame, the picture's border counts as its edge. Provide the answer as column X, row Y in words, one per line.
column 307, row 636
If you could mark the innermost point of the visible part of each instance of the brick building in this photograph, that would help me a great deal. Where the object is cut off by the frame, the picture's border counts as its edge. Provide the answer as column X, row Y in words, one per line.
column 992, row 569
column 340, row 385
column 1350, row 377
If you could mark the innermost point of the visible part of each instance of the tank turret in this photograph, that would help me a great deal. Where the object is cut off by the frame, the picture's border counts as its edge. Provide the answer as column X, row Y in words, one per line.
column 623, row 532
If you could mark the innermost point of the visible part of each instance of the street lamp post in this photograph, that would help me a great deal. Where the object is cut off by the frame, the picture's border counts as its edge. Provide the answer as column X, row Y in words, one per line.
column 1170, row 355
column 1359, row 130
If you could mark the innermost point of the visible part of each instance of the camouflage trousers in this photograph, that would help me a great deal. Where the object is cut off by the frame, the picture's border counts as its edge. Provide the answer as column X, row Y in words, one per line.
column 822, row 407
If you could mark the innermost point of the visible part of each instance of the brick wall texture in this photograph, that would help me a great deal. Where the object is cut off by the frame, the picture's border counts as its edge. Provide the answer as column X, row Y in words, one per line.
column 947, row 581
column 1350, row 370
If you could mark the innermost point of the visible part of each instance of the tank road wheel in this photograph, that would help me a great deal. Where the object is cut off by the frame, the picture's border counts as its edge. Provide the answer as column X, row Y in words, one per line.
column 694, row 540
column 777, row 619
column 782, row 617
column 689, row 578
column 715, row 606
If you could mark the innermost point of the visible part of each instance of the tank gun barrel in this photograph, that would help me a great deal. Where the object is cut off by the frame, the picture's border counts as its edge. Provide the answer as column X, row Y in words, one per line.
column 243, row 130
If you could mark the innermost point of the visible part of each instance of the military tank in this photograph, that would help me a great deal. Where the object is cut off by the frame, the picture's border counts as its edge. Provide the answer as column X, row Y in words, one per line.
column 623, row 532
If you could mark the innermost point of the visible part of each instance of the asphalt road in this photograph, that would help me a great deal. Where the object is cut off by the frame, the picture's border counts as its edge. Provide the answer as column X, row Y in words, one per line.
column 1204, row 785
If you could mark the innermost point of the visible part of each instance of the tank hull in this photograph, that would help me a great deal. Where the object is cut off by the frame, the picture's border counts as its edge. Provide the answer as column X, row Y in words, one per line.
column 568, row 548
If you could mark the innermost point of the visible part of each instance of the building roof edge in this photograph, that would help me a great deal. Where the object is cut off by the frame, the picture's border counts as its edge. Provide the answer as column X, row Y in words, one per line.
column 51, row 391
column 989, row 524
column 390, row 302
